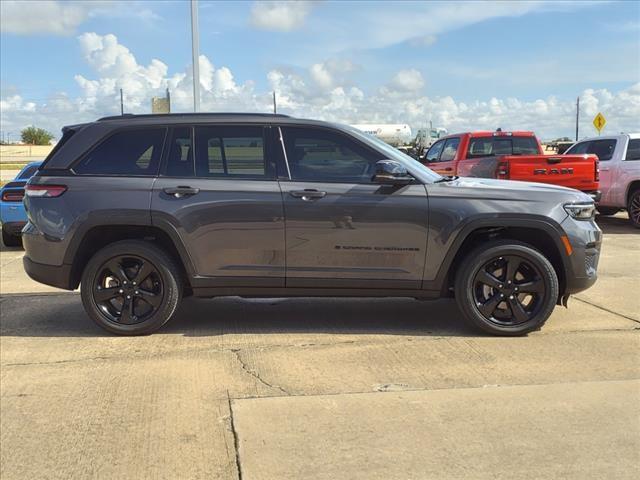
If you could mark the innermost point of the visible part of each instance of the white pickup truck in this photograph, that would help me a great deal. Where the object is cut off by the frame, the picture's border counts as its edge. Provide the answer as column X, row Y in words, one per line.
column 619, row 157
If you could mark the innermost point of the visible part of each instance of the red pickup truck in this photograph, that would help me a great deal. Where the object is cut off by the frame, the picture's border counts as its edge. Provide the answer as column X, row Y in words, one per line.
column 511, row 156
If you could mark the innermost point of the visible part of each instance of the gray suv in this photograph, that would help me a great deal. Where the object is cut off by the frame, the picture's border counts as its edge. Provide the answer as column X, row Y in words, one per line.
column 142, row 210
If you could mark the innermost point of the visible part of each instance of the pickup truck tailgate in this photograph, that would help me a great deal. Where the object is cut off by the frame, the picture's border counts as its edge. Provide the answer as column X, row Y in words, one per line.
column 573, row 171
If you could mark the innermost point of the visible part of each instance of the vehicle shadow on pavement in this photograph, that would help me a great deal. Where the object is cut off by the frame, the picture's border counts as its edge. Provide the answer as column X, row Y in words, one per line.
column 616, row 225
column 62, row 315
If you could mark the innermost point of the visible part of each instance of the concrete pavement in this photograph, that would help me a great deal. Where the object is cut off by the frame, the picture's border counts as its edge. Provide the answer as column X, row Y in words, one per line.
column 322, row 388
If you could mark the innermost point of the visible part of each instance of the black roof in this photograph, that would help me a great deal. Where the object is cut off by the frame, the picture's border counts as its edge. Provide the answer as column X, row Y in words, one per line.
column 160, row 118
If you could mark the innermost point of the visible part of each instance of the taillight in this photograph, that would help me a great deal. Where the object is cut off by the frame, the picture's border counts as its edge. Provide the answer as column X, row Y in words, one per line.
column 597, row 172
column 49, row 191
column 12, row 195
column 502, row 171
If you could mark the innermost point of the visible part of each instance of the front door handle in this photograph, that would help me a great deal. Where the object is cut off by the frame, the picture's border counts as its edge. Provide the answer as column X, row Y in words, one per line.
column 448, row 169
column 181, row 191
column 308, row 194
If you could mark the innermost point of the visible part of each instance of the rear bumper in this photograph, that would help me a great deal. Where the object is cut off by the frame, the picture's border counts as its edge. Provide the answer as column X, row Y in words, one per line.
column 12, row 212
column 596, row 195
column 58, row 276
column 13, row 228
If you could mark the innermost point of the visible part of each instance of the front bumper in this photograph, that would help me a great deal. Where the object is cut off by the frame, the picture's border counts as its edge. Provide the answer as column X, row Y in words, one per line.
column 582, row 265
column 58, row 276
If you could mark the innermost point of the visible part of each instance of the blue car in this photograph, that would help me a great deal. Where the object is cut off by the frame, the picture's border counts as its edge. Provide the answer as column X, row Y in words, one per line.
column 12, row 213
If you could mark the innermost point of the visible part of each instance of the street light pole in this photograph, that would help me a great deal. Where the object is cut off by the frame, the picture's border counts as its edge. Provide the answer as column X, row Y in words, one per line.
column 195, row 50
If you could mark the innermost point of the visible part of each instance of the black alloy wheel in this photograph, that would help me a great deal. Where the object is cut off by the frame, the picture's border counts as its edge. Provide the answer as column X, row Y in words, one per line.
column 128, row 289
column 131, row 287
column 508, row 290
column 634, row 208
column 506, row 287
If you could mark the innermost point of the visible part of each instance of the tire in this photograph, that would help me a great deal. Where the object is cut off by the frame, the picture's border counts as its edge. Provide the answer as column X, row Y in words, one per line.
column 10, row 240
column 135, row 270
column 607, row 211
column 534, row 287
column 633, row 208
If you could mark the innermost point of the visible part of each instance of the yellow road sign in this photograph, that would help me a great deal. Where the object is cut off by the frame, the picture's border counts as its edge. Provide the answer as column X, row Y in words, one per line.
column 599, row 122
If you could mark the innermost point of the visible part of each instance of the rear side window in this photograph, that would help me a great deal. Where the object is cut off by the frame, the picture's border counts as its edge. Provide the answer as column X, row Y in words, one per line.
column 230, row 151
column 128, row 152
column 180, row 153
column 633, row 150
column 578, row 149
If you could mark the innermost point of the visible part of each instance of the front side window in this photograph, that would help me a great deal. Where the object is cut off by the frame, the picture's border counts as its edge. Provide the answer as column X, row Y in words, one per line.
column 434, row 152
column 234, row 151
column 450, row 150
column 324, row 156
column 602, row 148
column 633, row 149
column 128, row 152
column 578, row 149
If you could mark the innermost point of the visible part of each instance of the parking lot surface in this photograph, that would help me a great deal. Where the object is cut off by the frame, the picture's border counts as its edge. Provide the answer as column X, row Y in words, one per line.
column 323, row 388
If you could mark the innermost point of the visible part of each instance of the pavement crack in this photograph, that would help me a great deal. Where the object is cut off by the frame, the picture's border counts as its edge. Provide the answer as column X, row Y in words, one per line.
column 22, row 364
column 236, row 442
column 255, row 374
column 606, row 309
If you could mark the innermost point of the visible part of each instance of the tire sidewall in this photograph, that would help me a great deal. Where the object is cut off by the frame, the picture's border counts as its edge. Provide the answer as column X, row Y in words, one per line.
column 634, row 194
column 165, row 267
column 464, row 287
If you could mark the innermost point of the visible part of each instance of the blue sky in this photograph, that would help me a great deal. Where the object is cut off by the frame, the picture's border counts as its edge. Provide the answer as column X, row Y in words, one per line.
column 346, row 61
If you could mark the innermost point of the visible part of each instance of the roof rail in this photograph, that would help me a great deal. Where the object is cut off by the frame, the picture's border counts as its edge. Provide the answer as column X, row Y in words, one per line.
column 191, row 114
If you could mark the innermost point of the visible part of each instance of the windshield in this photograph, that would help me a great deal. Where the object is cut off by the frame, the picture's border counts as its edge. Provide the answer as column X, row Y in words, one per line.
column 393, row 153
column 28, row 171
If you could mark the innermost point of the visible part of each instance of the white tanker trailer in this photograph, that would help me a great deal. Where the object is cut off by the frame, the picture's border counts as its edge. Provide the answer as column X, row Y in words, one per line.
column 395, row 135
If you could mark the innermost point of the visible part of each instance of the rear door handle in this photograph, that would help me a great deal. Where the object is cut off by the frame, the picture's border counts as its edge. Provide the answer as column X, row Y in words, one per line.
column 307, row 195
column 448, row 169
column 181, row 191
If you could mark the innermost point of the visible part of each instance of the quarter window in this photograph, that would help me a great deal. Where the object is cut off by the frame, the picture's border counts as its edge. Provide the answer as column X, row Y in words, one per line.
column 324, row 156
column 129, row 152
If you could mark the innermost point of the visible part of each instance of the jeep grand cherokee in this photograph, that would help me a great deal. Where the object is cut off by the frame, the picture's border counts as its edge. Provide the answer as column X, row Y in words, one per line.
column 142, row 210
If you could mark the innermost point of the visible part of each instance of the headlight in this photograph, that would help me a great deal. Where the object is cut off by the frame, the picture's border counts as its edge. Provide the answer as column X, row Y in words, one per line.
column 580, row 211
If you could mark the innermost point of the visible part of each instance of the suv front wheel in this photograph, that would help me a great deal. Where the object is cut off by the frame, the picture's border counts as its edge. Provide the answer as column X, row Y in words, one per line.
column 507, row 288
column 131, row 287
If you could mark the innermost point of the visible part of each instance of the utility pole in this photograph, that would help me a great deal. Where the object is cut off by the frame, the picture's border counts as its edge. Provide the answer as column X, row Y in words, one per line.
column 275, row 109
column 121, row 104
column 577, row 116
column 195, row 51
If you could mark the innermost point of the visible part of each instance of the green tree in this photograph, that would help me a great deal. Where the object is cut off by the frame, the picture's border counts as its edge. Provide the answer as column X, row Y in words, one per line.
column 36, row 136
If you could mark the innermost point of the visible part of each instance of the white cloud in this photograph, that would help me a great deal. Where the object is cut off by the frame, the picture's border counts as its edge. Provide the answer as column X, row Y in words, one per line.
column 57, row 17
column 324, row 92
column 410, row 80
column 282, row 16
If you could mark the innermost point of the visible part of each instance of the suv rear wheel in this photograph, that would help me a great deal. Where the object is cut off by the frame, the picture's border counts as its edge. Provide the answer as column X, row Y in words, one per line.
column 633, row 208
column 506, row 288
column 131, row 287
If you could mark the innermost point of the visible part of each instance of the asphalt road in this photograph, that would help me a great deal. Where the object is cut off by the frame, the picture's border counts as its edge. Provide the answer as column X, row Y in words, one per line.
column 323, row 388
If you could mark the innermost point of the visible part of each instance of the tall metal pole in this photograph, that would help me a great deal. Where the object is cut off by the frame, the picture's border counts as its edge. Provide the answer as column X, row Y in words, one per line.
column 275, row 110
column 195, row 50
column 577, row 116
column 121, row 104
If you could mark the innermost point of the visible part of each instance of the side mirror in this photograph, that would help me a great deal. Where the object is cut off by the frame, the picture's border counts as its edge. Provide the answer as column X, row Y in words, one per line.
column 390, row 172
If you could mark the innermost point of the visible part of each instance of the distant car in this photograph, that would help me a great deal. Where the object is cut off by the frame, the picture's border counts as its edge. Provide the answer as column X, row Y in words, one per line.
column 12, row 214
column 619, row 172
